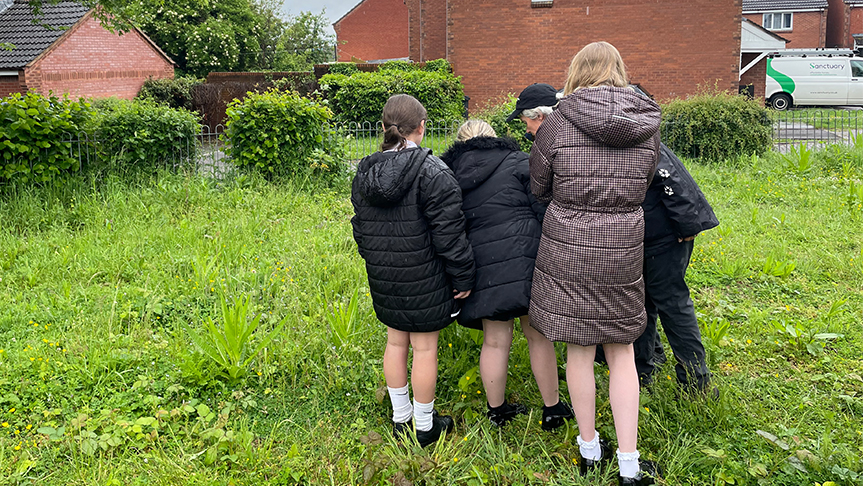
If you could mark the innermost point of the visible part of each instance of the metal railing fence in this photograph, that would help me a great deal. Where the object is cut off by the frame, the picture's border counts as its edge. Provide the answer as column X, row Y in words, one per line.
column 363, row 138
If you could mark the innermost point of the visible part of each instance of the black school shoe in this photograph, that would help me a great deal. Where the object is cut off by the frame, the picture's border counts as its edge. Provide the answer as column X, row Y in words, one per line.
column 501, row 415
column 554, row 416
column 440, row 424
column 402, row 429
column 587, row 465
column 645, row 477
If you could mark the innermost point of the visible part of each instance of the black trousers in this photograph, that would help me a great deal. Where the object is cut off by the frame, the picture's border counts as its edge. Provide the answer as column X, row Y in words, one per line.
column 667, row 297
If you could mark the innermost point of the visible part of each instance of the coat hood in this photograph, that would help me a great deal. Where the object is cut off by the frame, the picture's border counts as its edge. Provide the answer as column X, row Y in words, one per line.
column 475, row 160
column 618, row 117
column 383, row 178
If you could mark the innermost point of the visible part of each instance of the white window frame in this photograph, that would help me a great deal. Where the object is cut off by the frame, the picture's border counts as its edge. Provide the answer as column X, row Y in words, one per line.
column 772, row 21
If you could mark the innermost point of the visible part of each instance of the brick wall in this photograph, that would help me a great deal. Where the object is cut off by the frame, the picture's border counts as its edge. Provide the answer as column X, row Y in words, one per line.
column 428, row 21
column 756, row 76
column 837, row 23
column 670, row 47
column 809, row 29
column 9, row 85
column 374, row 29
column 855, row 25
column 92, row 62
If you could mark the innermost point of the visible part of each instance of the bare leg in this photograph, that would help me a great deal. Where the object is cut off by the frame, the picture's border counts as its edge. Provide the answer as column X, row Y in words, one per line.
column 424, row 370
column 396, row 358
column 623, row 394
column 582, row 387
column 494, row 359
column 543, row 362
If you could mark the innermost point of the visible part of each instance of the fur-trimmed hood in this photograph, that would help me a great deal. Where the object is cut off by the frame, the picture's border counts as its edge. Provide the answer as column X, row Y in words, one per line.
column 475, row 160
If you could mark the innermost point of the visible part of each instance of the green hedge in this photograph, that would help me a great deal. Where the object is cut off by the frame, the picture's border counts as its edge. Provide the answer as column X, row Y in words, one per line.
column 281, row 133
column 362, row 96
column 495, row 114
column 34, row 135
column 143, row 134
column 176, row 92
column 715, row 126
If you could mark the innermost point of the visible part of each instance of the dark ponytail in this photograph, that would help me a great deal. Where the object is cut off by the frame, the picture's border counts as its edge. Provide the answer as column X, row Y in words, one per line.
column 402, row 115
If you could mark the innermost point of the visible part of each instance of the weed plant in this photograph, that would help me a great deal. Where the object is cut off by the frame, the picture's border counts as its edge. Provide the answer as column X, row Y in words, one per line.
column 101, row 384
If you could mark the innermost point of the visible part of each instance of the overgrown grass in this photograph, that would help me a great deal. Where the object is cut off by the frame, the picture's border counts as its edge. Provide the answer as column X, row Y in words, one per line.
column 100, row 384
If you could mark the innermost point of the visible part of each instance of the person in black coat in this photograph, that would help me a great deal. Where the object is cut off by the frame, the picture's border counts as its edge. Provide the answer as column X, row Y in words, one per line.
column 675, row 211
column 504, row 225
column 410, row 230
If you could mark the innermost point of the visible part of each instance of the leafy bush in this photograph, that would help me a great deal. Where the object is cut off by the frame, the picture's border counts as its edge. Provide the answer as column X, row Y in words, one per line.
column 176, row 92
column 398, row 66
column 34, row 135
column 142, row 134
column 282, row 134
column 715, row 126
column 495, row 114
column 346, row 68
column 361, row 97
column 438, row 65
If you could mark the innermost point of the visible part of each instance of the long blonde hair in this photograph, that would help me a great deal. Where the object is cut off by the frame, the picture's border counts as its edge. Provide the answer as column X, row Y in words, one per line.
column 474, row 128
column 596, row 64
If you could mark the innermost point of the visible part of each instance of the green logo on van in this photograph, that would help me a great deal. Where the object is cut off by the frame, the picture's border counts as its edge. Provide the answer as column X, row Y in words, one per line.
column 784, row 81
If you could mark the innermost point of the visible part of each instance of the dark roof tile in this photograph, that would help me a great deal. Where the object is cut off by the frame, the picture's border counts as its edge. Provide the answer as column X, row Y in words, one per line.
column 753, row 6
column 31, row 39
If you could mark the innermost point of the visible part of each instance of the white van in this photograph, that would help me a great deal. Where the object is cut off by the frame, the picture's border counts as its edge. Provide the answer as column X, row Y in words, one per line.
column 814, row 80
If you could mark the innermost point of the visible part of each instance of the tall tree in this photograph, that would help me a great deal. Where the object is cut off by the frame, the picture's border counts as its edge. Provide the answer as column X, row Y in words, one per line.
column 305, row 42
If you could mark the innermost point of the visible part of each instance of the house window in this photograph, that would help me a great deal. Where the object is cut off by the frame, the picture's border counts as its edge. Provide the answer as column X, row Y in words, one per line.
column 541, row 3
column 777, row 21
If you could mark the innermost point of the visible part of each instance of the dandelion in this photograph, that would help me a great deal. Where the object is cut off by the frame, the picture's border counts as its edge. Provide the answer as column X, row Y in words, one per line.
column 450, row 345
column 748, row 341
column 455, row 459
column 5, row 424
column 12, row 410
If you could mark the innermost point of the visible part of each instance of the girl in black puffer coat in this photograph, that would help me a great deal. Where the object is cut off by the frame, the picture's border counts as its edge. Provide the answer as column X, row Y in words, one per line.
column 504, row 225
column 409, row 229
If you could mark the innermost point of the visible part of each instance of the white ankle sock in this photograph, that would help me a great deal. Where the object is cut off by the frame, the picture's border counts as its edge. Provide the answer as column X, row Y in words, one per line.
column 423, row 415
column 402, row 409
column 628, row 462
column 590, row 450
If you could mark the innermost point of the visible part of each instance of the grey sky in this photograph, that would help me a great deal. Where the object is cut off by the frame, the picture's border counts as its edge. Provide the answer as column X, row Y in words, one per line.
column 335, row 8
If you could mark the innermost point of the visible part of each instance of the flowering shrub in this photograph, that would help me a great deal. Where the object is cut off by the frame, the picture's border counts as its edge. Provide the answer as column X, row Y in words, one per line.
column 34, row 135
column 282, row 133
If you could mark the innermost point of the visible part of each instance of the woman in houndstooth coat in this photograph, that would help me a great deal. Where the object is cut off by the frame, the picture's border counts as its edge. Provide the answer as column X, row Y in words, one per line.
column 593, row 160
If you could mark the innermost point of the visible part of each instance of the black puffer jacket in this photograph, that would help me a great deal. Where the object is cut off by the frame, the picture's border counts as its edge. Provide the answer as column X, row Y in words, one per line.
column 409, row 228
column 504, row 224
column 674, row 206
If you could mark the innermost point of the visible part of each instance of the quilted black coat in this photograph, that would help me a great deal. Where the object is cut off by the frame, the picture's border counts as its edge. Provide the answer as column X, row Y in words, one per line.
column 504, row 224
column 674, row 206
column 409, row 229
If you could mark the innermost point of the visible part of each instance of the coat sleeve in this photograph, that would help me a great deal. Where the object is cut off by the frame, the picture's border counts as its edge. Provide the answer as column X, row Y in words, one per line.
column 688, row 209
column 522, row 173
column 541, row 157
column 440, row 197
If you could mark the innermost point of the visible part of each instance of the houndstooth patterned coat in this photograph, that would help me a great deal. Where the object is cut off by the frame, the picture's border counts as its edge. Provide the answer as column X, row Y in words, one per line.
column 592, row 160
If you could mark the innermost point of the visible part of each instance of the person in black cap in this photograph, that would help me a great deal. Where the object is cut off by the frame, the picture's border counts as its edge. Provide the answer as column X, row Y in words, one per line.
column 675, row 210
column 533, row 104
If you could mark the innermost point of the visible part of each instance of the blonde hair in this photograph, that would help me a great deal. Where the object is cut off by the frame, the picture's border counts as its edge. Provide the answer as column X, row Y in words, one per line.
column 596, row 64
column 474, row 128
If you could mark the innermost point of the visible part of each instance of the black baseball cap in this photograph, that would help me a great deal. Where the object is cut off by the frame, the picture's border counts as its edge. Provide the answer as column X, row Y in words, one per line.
column 537, row 94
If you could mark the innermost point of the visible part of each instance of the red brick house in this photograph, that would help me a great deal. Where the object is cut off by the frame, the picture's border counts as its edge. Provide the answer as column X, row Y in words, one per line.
column 75, row 56
column 755, row 43
column 670, row 46
column 802, row 22
column 844, row 22
column 374, row 30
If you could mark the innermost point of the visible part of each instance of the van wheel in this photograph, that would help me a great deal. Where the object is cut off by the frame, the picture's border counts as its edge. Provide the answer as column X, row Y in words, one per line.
column 780, row 102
